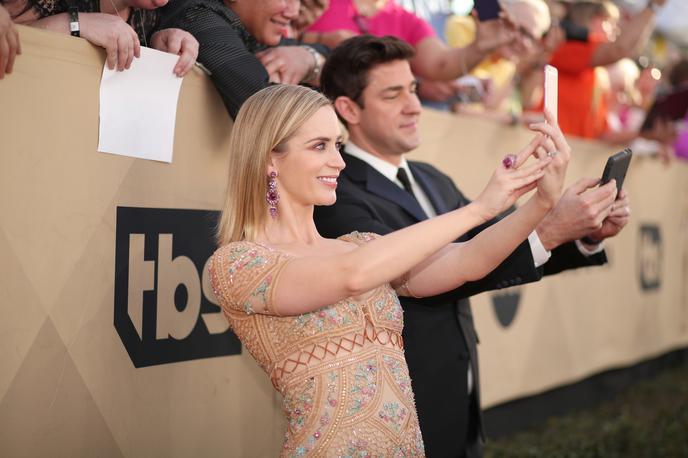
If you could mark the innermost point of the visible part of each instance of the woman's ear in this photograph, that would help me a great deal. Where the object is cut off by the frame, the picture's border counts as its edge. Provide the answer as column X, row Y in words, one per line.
column 348, row 110
column 270, row 166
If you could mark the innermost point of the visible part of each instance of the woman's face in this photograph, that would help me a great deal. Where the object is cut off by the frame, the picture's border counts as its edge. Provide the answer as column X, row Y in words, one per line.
column 267, row 20
column 309, row 12
column 308, row 166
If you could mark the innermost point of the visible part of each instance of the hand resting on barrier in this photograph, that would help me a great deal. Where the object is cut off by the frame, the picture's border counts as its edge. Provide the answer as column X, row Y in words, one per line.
column 180, row 42
column 9, row 43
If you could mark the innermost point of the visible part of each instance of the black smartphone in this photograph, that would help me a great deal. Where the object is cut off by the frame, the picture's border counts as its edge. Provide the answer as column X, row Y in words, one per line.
column 616, row 168
column 487, row 9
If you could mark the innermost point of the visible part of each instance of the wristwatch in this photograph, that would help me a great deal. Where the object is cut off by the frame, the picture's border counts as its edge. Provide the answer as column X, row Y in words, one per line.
column 317, row 66
column 74, row 29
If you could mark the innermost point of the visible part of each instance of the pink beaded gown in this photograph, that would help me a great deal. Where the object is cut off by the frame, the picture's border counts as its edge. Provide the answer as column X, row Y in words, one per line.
column 340, row 369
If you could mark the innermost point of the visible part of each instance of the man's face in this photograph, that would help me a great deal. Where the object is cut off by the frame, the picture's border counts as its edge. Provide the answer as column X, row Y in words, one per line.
column 388, row 119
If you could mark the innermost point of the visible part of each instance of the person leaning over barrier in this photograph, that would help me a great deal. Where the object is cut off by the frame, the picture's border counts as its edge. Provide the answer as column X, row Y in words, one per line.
column 597, row 41
column 234, row 37
column 119, row 26
column 321, row 316
column 374, row 92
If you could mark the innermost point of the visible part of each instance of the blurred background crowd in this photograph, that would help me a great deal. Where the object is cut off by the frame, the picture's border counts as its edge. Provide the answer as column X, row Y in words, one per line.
column 616, row 59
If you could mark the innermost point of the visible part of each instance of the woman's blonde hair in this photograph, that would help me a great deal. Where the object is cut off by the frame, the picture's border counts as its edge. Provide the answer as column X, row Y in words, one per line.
column 265, row 123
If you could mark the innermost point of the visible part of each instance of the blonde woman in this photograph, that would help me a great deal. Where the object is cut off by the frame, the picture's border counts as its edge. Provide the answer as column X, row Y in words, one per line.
column 322, row 316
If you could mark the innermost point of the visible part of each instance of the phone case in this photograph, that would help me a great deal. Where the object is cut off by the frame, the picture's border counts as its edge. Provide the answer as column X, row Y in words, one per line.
column 552, row 90
column 616, row 168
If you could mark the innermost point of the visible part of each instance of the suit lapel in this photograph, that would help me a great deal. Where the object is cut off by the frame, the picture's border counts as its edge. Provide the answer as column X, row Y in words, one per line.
column 425, row 182
column 378, row 184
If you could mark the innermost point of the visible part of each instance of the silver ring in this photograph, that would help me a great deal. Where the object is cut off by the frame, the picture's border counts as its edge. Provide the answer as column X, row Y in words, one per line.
column 552, row 154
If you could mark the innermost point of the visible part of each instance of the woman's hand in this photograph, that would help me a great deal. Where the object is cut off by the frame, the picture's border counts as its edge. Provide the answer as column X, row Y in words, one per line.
column 509, row 182
column 554, row 145
column 286, row 64
column 110, row 32
column 179, row 42
column 9, row 43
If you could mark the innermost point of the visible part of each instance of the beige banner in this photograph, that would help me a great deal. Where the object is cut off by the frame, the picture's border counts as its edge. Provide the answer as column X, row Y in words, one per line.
column 109, row 341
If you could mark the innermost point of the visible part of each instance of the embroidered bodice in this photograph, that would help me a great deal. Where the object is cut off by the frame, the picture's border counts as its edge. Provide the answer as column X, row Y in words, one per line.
column 340, row 369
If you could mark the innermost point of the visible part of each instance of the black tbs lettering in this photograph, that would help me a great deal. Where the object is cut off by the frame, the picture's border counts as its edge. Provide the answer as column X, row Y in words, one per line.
column 165, row 309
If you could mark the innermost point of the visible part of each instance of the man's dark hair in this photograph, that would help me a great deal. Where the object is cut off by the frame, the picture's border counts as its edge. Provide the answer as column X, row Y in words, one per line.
column 347, row 67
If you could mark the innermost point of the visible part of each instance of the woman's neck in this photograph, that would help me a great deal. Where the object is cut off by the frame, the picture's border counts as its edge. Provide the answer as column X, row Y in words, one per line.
column 293, row 225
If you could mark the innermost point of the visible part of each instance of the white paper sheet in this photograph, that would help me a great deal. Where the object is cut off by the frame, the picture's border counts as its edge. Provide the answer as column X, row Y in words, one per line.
column 138, row 107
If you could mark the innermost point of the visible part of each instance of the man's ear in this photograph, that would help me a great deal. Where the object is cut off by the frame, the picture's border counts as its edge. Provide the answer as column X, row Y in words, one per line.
column 348, row 110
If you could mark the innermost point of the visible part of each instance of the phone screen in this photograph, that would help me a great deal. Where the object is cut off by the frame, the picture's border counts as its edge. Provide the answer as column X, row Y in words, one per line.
column 487, row 9
column 551, row 90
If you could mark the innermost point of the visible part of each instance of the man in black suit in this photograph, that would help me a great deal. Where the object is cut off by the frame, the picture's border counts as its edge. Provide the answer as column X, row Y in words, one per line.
column 374, row 92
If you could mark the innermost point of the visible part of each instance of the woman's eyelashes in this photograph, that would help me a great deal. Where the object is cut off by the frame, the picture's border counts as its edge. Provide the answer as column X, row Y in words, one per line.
column 322, row 145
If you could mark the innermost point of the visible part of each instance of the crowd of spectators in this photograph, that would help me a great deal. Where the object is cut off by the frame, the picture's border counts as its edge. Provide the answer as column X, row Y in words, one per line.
column 608, row 73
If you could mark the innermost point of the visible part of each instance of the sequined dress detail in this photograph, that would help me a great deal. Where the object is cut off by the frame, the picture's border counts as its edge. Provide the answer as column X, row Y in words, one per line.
column 340, row 369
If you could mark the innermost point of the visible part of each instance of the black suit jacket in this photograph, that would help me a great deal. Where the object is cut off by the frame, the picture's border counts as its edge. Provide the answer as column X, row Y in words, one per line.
column 439, row 335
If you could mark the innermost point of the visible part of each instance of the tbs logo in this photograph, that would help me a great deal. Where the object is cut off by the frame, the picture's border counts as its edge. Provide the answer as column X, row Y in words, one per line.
column 650, row 257
column 505, row 304
column 165, row 310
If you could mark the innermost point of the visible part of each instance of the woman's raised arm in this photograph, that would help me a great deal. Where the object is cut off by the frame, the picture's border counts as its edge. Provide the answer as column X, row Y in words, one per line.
column 458, row 263
column 308, row 283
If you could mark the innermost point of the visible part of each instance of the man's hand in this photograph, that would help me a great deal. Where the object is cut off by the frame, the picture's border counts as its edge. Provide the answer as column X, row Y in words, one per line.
column 580, row 213
column 286, row 64
column 9, row 43
column 617, row 219
column 179, row 42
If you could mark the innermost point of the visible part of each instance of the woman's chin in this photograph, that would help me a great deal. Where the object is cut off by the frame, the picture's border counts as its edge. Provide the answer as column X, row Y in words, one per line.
column 327, row 202
column 270, row 39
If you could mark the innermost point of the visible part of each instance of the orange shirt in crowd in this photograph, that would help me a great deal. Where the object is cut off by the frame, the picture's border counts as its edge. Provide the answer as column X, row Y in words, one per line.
column 582, row 104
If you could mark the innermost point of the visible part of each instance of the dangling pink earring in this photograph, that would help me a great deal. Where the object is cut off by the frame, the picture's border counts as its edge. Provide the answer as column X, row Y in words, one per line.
column 272, row 195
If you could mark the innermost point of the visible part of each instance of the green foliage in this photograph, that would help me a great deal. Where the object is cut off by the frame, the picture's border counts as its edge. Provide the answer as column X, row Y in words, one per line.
column 650, row 419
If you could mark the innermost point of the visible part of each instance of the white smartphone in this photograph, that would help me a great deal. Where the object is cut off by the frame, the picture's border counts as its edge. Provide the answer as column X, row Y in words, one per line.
column 551, row 90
